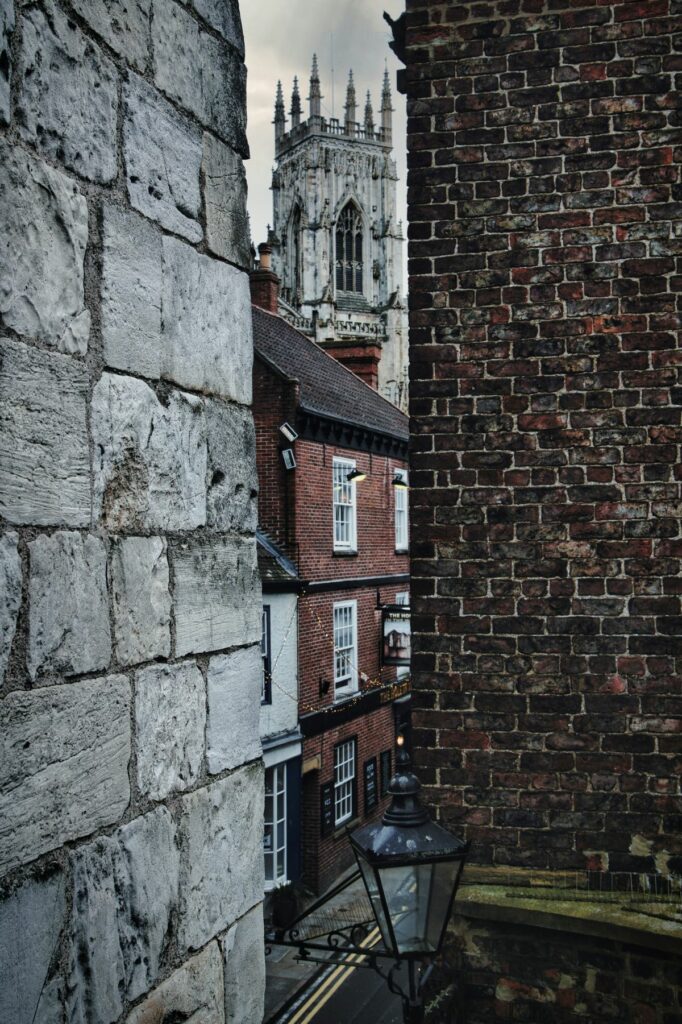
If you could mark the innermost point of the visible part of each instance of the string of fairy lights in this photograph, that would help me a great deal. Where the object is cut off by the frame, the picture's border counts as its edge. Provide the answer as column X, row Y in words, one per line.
column 368, row 684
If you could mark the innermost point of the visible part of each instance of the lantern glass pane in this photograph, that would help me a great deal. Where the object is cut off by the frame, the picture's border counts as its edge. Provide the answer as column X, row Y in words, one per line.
column 443, row 881
column 418, row 898
column 370, row 880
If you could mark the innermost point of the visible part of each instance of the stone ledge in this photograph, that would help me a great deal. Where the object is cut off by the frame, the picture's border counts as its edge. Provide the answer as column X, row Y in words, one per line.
column 615, row 922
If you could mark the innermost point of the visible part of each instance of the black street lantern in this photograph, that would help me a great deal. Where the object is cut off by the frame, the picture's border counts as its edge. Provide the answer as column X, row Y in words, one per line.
column 411, row 868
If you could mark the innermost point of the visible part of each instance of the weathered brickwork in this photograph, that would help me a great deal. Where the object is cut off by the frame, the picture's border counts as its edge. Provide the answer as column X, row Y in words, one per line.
column 545, row 198
column 325, row 858
column 512, row 972
column 131, row 782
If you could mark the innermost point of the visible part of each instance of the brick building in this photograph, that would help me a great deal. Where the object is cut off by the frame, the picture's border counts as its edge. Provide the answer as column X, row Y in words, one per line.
column 317, row 426
column 545, row 256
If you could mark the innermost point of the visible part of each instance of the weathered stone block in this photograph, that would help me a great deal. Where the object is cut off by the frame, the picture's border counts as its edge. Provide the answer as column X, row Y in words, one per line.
column 244, row 954
column 50, row 1008
column 30, row 922
column 224, row 17
column 6, row 29
column 217, row 595
column 69, row 96
column 63, row 765
column 163, row 160
column 123, row 24
column 150, row 468
column 207, row 341
column 44, row 458
column 43, row 233
column 131, row 294
column 193, row 993
column 142, row 603
column 10, row 595
column 227, row 223
column 125, row 892
column 68, row 626
column 216, row 96
column 221, row 874
column 233, row 482
column 170, row 712
column 232, row 734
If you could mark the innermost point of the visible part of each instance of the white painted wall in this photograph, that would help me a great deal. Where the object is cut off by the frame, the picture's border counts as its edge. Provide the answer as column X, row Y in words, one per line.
column 281, row 716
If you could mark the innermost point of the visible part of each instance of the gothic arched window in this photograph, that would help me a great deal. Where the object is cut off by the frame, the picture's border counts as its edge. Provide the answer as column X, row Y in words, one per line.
column 349, row 246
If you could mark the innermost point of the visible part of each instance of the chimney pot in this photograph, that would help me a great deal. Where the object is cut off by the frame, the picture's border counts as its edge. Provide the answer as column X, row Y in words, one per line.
column 264, row 281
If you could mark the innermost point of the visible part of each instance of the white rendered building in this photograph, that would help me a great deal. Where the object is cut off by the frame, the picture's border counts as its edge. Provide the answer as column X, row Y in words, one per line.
column 336, row 240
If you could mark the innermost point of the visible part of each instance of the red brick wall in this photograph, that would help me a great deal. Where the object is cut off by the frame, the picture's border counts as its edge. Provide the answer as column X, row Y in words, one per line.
column 325, row 858
column 316, row 648
column 545, row 202
column 375, row 504
column 513, row 972
column 295, row 508
column 274, row 403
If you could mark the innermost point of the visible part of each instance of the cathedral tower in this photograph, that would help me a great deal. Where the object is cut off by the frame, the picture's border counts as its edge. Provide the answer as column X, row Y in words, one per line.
column 337, row 243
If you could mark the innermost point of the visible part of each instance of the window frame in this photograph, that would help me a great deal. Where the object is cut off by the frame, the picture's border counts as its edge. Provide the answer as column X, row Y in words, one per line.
column 344, row 467
column 349, row 250
column 277, row 879
column 345, row 787
column 401, row 508
column 343, row 690
column 266, row 655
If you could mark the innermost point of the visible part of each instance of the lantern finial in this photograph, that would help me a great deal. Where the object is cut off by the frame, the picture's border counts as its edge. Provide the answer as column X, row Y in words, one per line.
column 406, row 808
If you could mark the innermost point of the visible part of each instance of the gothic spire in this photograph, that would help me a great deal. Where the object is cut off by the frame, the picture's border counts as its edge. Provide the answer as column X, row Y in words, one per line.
column 280, row 117
column 295, row 105
column 386, row 108
column 351, row 104
column 369, row 115
column 315, row 98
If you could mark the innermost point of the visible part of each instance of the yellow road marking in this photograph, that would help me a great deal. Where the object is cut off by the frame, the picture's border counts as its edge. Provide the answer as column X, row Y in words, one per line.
column 331, row 984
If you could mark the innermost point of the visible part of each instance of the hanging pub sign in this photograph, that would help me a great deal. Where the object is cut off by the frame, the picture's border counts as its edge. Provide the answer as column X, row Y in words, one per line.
column 395, row 633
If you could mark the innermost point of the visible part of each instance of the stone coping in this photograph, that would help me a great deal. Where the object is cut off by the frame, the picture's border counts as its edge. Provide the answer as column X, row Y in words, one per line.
column 485, row 895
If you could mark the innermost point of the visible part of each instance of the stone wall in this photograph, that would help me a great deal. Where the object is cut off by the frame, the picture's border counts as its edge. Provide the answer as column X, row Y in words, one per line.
column 545, row 146
column 130, row 856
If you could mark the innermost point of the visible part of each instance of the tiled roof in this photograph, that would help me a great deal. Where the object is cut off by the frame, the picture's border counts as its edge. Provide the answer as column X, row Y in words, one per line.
column 327, row 387
column 272, row 563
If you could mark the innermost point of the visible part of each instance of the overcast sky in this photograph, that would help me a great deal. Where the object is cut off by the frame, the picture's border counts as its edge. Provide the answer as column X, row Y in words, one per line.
column 281, row 37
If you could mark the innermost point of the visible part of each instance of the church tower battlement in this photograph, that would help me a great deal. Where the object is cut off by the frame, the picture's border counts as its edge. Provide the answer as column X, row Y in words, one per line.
column 337, row 242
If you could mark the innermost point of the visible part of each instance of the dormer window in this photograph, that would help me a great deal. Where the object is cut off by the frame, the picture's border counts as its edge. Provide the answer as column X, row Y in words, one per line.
column 349, row 250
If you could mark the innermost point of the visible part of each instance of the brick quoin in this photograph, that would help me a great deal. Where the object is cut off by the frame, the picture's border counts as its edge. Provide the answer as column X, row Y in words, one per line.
column 545, row 262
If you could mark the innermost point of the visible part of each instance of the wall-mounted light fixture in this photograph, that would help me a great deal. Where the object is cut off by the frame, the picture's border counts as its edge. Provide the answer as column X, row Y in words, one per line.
column 400, row 480
column 287, row 431
column 355, row 476
column 289, row 458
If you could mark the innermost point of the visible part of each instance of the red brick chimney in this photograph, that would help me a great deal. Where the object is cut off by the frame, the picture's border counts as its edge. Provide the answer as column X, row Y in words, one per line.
column 264, row 282
column 361, row 356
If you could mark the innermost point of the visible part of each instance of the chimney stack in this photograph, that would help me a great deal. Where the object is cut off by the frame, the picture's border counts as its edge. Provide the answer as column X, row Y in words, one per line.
column 264, row 281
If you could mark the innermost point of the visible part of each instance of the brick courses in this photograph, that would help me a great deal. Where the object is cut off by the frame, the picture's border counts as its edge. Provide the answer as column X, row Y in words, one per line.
column 545, row 209
column 513, row 972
